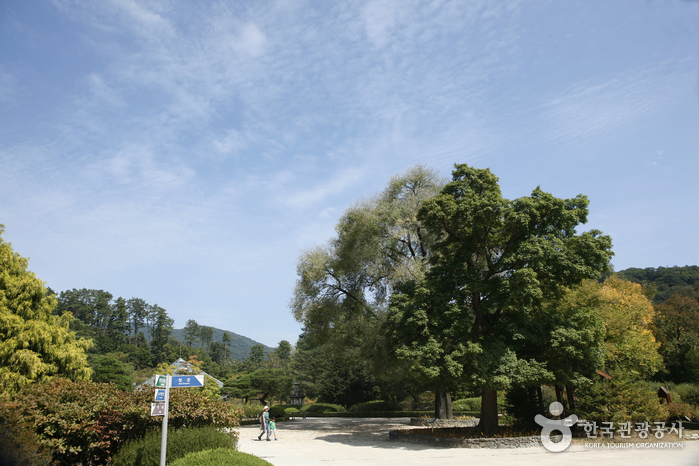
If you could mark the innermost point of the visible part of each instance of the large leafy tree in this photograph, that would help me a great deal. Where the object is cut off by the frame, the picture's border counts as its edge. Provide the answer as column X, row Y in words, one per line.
column 344, row 286
column 493, row 259
column 676, row 326
column 342, row 293
column 627, row 313
column 34, row 343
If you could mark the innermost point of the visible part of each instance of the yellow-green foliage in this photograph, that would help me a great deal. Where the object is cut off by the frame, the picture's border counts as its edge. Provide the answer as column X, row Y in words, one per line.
column 629, row 345
column 34, row 344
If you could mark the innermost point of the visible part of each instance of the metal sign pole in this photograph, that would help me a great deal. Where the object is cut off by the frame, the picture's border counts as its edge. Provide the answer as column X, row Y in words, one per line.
column 163, row 441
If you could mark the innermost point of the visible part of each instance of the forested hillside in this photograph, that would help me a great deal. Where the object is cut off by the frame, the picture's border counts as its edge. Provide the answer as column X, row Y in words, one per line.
column 239, row 346
column 665, row 281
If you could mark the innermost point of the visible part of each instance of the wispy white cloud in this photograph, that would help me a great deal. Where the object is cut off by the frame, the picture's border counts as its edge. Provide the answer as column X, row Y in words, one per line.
column 339, row 182
column 588, row 109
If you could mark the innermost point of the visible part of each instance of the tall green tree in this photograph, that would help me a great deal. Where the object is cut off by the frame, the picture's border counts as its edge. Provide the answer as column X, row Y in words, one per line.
column 118, row 326
column 191, row 332
column 34, row 343
column 227, row 341
column 493, row 259
column 342, row 293
column 271, row 382
column 138, row 310
column 256, row 357
column 162, row 330
column 206, row 335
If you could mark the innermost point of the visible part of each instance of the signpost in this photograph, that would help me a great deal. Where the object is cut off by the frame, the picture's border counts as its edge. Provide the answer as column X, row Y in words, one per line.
column 163, row 384
column 187, row 381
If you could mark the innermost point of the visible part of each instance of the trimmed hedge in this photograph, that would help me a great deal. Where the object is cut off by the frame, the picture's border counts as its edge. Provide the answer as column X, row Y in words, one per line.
column 180, row 442
column 373, row 406
column 278, row 412
column 323, row 408
column 218, row 457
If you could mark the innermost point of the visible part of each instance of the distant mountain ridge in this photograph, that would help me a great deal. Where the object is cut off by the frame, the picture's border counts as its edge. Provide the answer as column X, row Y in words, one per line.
column 240, row 346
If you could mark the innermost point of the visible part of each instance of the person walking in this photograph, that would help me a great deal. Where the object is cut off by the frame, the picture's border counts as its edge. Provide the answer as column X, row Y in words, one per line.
column 273, row 428
column 264, row 418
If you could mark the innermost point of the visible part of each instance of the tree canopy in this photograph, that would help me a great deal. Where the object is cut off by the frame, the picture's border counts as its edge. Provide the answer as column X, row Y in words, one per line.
column 34, row 343
column 493, row 259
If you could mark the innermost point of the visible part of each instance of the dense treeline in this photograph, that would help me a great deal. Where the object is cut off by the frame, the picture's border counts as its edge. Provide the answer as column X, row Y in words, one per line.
column 663, row 282
column 132, row 337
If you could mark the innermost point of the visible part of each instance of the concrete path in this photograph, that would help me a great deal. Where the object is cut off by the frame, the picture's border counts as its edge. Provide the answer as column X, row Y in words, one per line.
column 343, row 441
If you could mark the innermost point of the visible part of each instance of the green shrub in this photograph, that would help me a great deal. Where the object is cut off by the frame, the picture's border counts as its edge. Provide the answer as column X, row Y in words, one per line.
column 80, row 422
column 249, row 410
column 277, row 412
column 180, row 442
column 84, row 422
column 620, row 400
column 469, row 404
column 371, row 406
column 681, row 411
column 688, row 393
column 19, row 446
column 291, row 410
column 323, row 408
column 218, row 457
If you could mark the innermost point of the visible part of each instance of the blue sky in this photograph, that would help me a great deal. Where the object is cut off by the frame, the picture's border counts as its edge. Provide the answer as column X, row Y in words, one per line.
column 187, row 152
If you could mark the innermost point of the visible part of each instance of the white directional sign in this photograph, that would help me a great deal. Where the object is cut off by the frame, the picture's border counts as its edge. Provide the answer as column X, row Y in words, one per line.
column 157, row 409
column 187, row 381
column 159, row 395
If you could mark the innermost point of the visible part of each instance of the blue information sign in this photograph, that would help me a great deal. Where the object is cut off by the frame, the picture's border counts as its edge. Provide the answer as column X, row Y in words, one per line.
column 160, row 395
column 187, row 381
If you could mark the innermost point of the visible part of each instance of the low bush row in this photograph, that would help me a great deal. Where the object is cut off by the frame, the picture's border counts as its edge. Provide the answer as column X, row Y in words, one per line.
column 218, row 457
column 180, row 442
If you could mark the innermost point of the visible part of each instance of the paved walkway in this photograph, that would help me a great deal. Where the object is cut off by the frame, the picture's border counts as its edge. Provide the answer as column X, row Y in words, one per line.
column 343, row 441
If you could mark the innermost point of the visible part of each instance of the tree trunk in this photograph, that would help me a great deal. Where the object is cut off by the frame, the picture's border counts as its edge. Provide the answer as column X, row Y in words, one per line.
column 559, row 398
column 489, row 412
column 570, row 392
column 540, row 395
column 442, row 404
